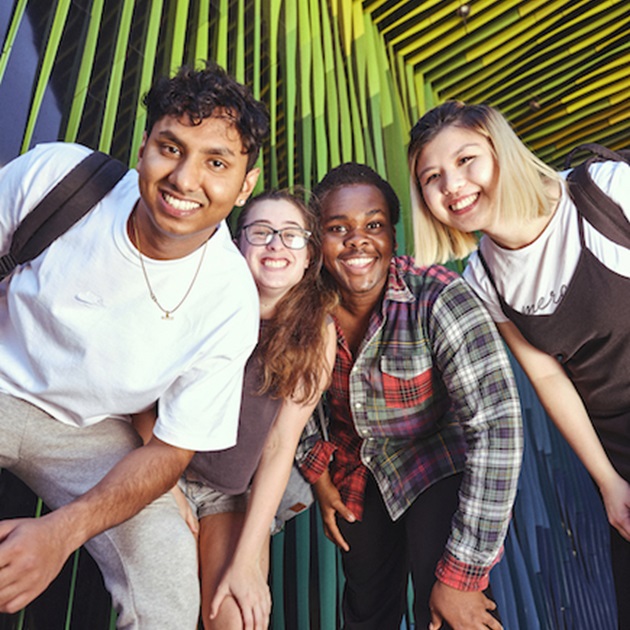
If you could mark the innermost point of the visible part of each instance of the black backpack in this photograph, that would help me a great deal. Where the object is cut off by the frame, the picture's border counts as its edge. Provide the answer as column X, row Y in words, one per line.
column 76, row 194
column 592, row 203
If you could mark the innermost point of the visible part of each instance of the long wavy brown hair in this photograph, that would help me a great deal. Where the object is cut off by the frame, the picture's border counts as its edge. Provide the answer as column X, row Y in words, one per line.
column 292, row 342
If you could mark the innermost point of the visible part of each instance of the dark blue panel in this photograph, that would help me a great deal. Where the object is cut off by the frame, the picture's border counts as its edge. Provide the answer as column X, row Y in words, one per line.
column 18, row 82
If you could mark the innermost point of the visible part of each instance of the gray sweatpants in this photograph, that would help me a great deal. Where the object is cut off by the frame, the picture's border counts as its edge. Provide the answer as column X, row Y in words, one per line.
column 149, row 562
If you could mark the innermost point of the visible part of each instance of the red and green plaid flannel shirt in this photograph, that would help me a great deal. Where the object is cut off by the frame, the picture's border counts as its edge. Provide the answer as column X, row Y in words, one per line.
column 430, row 393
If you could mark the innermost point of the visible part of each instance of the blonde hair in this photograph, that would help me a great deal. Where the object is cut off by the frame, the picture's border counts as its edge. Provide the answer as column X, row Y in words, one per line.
column 523, row 188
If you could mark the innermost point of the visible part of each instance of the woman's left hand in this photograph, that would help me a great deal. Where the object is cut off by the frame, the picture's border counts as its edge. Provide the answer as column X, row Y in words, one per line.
column 616, row 496
column 248, row 586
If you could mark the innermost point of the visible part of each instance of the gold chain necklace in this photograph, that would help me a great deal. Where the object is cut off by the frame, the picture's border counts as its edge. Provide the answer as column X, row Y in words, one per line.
column 168, row 313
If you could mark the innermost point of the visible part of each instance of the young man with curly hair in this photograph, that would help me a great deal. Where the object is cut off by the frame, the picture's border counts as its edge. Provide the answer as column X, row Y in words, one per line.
column 145, row 298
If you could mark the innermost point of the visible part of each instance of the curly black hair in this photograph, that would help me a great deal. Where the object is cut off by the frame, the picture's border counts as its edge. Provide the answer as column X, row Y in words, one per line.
column 199, row 93
column 353, row 173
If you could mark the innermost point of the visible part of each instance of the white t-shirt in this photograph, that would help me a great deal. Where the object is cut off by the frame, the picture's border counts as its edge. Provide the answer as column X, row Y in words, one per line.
column 81, row 338
column 533, row 279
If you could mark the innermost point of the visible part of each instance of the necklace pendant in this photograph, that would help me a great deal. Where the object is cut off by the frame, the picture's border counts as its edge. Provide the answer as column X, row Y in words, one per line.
column 167, row 314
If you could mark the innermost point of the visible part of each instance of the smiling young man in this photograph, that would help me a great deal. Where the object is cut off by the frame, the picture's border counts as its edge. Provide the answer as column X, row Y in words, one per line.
column 420, row 470
column 146, row 298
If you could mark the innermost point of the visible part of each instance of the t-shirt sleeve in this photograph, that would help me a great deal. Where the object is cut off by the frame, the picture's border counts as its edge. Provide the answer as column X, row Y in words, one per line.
column 477, row 278
column 200, row 411
column 614, row 179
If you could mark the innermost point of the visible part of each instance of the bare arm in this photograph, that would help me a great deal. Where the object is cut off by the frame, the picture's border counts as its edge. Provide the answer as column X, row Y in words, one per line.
column 243, row 578
column 33, row 551
column 143, row 423
column 565, row 407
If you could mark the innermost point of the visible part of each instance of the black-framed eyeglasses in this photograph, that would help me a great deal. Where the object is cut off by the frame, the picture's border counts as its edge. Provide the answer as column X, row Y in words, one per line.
column 291, row 237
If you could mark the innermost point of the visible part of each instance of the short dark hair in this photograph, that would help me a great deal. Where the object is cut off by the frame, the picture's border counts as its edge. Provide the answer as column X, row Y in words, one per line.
column 353, row 173
column 199, row 93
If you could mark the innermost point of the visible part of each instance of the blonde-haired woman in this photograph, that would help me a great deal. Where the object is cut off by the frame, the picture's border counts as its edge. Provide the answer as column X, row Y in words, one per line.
column 558, row 289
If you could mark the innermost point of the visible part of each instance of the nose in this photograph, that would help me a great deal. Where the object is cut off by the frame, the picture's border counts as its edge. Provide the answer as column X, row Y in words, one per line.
column 185, row 176
column 275, row 242
column 356, row 237
column 451, row 181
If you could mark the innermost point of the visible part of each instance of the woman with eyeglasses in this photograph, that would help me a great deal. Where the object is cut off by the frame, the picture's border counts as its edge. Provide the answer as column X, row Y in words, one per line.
column 234, row 494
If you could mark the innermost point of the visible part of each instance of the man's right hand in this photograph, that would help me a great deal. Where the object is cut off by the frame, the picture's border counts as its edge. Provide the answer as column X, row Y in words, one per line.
column 330, row 504
column 32, row 553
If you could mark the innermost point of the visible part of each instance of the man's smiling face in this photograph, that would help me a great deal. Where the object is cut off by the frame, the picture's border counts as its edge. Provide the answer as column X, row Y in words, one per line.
column 359, row 239
column 190, row 178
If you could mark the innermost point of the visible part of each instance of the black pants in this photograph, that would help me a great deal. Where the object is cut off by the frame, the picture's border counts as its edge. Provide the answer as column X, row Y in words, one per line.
column 382, row 552
column 620, row 556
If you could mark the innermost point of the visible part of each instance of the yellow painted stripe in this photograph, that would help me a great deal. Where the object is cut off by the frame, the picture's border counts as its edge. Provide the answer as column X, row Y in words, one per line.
column 179, row 33
column 202, row 43
column 85, row 71
column 606, row 86
column 436, row 32
column 290, row 85
column 221, row 51
column 116, row 76
column 238, row 70
column 50, row 54
column 332, row 98
column 491, row 81
column 146, row 77
column 7, row 46
column 430, row 57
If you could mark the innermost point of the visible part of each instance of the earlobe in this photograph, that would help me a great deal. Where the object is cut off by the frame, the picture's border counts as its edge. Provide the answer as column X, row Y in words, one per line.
column 141, row 148
column 249, row 183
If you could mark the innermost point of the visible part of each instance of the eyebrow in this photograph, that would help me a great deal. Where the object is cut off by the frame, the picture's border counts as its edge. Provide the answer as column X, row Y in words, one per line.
column 368, row 213
column 217, row 150
column 287, row 222
column 463, row 147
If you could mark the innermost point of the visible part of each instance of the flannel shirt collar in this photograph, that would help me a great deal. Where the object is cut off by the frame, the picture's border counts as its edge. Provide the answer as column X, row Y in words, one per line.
column 397, row 289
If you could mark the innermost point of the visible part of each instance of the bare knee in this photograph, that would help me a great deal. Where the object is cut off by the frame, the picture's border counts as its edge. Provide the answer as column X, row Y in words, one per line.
column 228, row 618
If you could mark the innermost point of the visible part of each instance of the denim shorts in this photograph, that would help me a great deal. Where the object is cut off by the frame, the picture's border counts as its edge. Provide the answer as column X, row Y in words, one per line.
column 205, row 500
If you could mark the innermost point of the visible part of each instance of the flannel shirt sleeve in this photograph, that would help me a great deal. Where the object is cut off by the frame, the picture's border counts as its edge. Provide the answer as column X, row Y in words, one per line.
column 313, row 452
column 475, row 369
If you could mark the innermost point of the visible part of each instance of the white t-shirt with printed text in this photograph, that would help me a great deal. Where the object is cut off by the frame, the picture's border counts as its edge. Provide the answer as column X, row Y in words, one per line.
column 533, row 279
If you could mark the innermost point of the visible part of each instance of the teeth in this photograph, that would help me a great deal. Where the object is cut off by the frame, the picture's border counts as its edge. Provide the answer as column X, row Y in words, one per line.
column 180, row 204
column 276, row 264
column 463, row 203
column 359, row 262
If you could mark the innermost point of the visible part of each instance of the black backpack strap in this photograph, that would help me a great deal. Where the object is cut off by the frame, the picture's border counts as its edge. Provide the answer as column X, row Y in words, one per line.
column 598, row 152
column 606, row 216
column 62, row 207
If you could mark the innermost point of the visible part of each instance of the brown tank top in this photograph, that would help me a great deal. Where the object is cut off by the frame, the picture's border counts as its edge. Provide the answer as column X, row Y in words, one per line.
column 589, row 334
column 230, row 471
